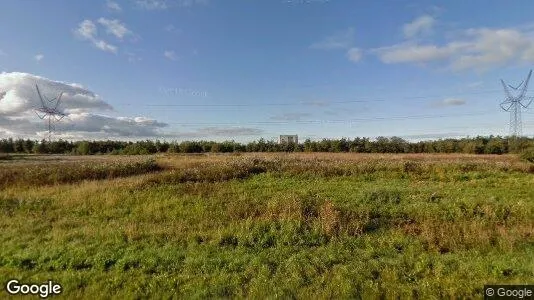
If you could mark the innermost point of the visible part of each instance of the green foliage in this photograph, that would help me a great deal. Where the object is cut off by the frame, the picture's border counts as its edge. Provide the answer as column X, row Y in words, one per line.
column 477, row 145
column 528, row 154
column 83, row 148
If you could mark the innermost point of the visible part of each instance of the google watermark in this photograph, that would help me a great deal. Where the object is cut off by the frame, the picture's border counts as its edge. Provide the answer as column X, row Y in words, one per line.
column 509, row 292
column 43, row 290
column 183, row 92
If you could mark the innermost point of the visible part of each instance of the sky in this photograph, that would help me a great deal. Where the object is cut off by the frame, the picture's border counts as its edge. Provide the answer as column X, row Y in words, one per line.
column 244, row 70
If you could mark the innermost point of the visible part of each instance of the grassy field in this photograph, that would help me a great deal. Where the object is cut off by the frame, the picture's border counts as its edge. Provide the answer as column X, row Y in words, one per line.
column 268, row 226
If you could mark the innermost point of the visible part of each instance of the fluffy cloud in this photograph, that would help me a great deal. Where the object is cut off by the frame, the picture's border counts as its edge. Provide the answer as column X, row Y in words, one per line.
column 114, row 27
column 354, row 54
column 166, row 4
column 113, row 126
column 421, row 25
column 171, row 55
column 340, row 40
column 87, row 31
column 408, row 52
column 113, row 6
column 18, row 98
column 475, row 48
column 152, row 4
column 20, row 94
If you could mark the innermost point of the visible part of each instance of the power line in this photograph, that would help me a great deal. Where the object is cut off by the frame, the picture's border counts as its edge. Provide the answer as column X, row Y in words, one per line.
column 339, row 121
column 309, row 103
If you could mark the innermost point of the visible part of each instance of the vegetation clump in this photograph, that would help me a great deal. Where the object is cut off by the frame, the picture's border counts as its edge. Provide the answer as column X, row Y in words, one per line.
column 528, row 155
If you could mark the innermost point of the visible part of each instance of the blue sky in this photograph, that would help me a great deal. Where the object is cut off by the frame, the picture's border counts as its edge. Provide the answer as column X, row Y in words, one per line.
column 242, row 70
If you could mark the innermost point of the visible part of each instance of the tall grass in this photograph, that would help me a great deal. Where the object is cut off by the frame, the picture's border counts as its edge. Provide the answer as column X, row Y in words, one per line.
column 275, row 226
column 58, row 173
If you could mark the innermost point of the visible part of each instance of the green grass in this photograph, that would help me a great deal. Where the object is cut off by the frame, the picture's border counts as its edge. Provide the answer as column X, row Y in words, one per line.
column 274, row 226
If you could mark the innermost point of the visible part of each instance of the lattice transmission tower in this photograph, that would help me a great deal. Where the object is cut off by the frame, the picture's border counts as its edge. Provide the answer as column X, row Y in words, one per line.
column 514, row 104
column 49, row 110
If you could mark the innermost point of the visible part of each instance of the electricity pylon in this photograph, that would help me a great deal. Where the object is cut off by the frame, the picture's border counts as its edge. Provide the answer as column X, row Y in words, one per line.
column 50, row 112
column 514, row 104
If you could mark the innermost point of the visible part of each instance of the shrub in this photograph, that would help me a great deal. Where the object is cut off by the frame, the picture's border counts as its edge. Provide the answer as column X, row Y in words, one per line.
column 528, row 154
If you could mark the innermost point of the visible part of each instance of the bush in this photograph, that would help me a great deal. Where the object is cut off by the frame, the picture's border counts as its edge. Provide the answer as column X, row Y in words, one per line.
column 528, row 154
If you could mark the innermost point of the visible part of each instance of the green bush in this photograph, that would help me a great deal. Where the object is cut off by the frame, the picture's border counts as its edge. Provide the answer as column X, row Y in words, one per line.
column 528, row 154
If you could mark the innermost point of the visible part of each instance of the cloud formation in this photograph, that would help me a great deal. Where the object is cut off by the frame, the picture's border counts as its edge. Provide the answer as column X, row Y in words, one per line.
column 449, row 102
column 38, row 57
column 419, row 26
column 343, row 40
column 167, row 4
column 472, row 49
column 152, row 4
column 87, row 31
column 339, row 40
column 115, row 27
column 354, row 54
column 18, row 98
column 113, row 6
column 171, row 55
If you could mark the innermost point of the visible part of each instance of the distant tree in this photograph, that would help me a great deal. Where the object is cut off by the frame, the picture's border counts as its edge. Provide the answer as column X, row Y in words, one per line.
column 83, row 148
column 40, row 147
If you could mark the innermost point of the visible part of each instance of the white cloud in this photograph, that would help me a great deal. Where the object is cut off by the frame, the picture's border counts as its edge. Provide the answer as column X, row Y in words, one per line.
column 113, row 6
column 171, row 28
column 488, row 47
column 20, row 95
column 132, row 57
column 166, row 4
column 38, row 57
column 340, row 40
column 476, row 48
column 354, row 54
column 449, row 102
column 104, row 46
column 19, row 98
column 113, row 126
column 115, row 27
column 170, row 55
column 152, row 4
column 421, row 25
column 87, row 31
column 402, row 53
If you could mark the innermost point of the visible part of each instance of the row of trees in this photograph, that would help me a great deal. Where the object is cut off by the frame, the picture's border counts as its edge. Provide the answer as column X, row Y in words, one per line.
column 477, row 145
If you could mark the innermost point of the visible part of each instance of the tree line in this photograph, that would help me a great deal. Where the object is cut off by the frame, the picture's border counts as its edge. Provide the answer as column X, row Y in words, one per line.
column 475, row 145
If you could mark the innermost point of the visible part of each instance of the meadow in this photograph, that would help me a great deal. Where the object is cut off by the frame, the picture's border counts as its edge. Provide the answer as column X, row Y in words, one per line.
column 295, row 225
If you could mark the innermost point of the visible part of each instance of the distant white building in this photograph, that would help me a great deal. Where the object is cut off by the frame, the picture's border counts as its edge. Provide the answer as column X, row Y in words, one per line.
column 287, row 139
